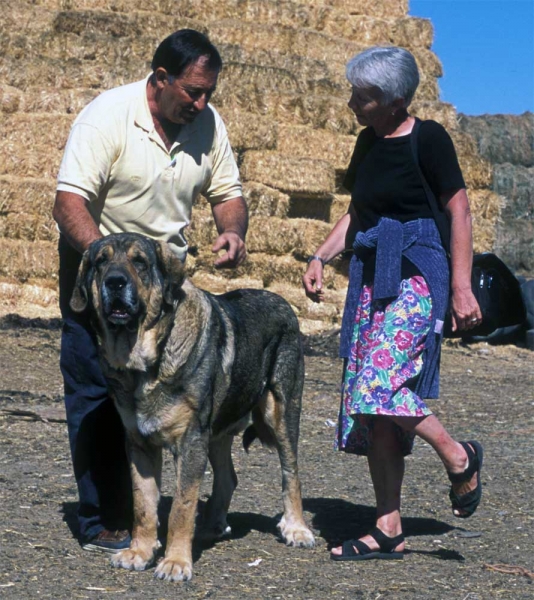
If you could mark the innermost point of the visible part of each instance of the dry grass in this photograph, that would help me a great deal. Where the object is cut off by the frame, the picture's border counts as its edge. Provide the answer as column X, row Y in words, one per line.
column 282, row 95
column 339, row 207
column 477, row 171
column 412, row 32
column 328, row 312
column 437, row 111
column 486, row 208
column 385, row 9
column 9, row 99
column 298, row 140
column 265, row 201
column 22, row 261
column 275, row 236
column 248, row 131
column 19, row 193
column 322, row 112
column 28, row 227
column 266, row 268
column 297, row 176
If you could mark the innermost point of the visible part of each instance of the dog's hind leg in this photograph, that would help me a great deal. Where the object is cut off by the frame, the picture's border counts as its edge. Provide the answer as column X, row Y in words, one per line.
column 224, row 484
column 282, row 417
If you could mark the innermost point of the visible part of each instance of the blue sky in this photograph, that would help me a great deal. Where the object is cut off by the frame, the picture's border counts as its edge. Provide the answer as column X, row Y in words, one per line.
column 486, row 48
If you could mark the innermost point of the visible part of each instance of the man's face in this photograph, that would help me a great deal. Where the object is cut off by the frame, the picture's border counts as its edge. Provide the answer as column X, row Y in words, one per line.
column 183, row 98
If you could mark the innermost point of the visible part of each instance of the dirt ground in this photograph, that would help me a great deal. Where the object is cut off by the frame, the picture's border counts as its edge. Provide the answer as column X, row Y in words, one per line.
column 487, row 394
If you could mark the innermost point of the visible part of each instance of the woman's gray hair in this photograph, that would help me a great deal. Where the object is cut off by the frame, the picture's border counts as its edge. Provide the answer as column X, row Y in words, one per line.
column 390, row 69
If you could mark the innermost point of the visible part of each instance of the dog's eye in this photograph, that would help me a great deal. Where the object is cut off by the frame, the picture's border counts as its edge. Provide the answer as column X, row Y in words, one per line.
column 139, row 263
column 102, row 259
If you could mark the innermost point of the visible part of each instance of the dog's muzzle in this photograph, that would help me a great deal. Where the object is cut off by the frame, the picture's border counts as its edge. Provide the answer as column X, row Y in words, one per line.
column 120, row 302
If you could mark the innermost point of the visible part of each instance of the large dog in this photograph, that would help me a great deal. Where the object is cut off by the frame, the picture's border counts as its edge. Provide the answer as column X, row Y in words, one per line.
column 187, row 371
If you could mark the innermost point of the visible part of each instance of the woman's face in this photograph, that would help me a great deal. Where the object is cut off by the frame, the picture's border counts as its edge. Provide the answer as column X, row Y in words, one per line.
column 364, row 104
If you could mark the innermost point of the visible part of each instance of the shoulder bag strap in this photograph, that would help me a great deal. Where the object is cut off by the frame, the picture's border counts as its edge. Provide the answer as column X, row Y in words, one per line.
column 440, row 218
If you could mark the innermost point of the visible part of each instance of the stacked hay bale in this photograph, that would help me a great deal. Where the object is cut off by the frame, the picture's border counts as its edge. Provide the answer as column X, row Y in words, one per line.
column 507, row 141
column 282, row 94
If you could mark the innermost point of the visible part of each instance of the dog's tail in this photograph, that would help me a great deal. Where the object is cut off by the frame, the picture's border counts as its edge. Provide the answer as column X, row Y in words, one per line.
column 258, row 430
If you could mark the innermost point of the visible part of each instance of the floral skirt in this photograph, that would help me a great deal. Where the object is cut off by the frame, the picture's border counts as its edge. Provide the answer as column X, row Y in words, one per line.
column 385, row 361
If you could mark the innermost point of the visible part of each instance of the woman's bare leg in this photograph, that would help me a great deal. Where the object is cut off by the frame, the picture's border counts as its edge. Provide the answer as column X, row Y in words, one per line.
column 386, row 465
column 451, row 452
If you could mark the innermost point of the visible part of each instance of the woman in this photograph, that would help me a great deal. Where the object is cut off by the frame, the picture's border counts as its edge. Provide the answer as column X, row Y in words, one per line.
column 398, row 293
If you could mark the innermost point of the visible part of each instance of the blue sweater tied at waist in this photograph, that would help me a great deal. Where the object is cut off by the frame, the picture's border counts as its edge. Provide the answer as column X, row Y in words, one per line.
column 419, row 241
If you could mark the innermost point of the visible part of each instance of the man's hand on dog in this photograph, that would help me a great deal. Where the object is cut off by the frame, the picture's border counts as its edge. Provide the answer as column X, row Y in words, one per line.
column 235, row 250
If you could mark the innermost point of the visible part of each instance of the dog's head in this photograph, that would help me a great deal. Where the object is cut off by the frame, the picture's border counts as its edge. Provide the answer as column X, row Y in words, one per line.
column 126, row 279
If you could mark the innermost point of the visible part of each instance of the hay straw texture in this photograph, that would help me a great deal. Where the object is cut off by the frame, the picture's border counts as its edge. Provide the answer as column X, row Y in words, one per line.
column 322, row 112
column 265, row 201
column 248, row 131
column 22, row 261
column 476, row 171
column 283, row 40
column 246, row 9
column 437, row 111
column 40, row 295
column 9, row 99
column 412, row 32
column 32, row 144
column 282, row 94
column 485, row 209
column 278, row 237
column 36, row 99
column 330, row 311
column 266, row 268
column 297, row 176
column 23, row 198
column 339, row 207
column 295, row 140
column 387, row 9
column 503, row 138
column 29, row 227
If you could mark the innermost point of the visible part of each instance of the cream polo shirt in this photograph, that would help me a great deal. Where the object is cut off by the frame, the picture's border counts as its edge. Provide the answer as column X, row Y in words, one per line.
column 116, row 160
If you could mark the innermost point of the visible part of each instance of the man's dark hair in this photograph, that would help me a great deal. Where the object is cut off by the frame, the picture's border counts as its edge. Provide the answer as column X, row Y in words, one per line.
column 184, row 48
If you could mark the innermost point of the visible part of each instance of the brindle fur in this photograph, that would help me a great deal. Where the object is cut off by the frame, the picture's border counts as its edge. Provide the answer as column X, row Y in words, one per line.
column 187, row 371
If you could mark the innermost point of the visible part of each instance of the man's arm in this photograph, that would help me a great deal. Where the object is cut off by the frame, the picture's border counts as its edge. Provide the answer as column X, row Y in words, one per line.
column 231, row 220
column 74, row 220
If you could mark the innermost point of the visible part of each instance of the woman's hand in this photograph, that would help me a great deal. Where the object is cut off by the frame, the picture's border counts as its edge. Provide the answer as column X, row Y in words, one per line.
column 465, row 310
column 313, row 281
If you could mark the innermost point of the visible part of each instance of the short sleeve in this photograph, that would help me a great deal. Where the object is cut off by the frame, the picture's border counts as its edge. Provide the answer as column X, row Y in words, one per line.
column 224, row 183
column 86, row 162
column 438, row 159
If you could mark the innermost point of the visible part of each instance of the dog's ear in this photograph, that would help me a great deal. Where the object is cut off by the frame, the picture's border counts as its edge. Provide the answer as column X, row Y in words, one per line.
column 172, row 270
column 80, row 295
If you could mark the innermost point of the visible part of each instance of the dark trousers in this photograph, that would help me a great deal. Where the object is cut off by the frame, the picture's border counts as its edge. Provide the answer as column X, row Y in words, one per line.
column 96, row 433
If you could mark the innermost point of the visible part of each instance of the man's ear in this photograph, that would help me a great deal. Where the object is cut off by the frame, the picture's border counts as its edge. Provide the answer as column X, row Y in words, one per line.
column 80, row 295
column 172, row 269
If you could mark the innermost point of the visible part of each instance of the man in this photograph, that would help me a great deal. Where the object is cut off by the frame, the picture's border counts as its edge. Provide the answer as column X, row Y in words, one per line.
column 136, row 159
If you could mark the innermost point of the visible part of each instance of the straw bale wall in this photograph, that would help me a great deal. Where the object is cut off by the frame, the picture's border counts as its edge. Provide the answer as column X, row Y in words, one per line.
column 507, row 143
column 283, row 97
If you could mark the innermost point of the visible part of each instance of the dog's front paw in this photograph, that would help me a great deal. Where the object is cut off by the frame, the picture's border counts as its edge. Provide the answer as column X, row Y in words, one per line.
column 133, row 560
column 295, row 533
column 175, row 569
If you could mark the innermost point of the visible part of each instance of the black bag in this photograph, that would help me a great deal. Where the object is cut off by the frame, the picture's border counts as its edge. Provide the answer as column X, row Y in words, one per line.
column 498, row 293
column 495, row 287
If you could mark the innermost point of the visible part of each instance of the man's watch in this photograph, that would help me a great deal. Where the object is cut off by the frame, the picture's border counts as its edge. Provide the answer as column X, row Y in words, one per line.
column 314, row 257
